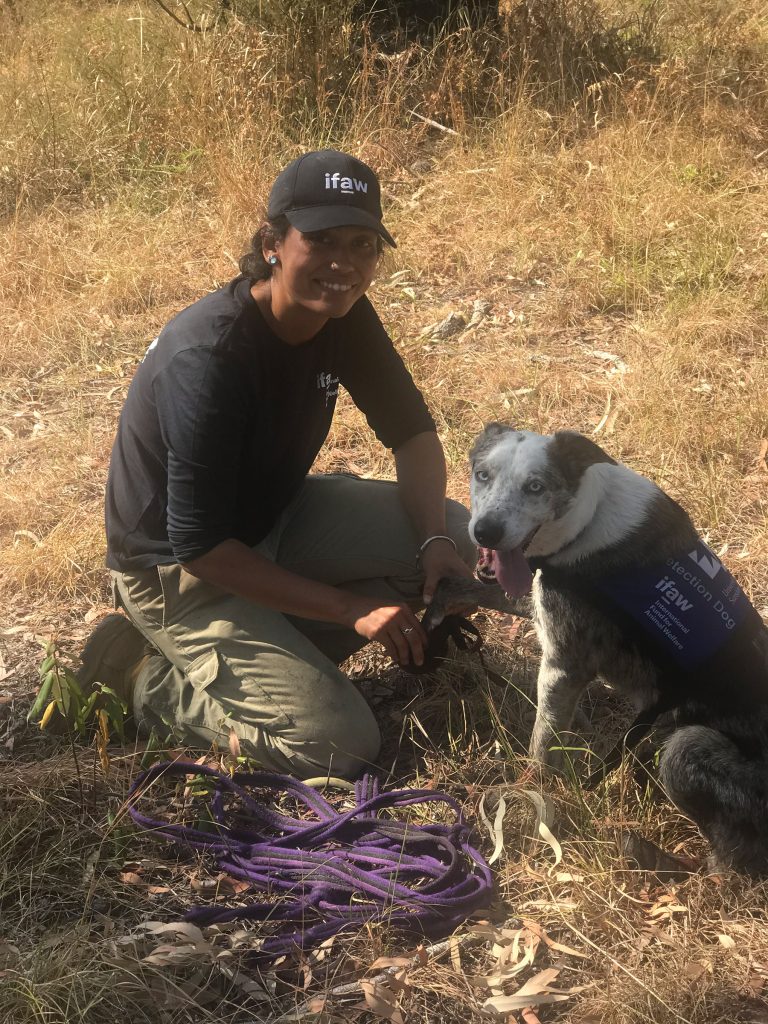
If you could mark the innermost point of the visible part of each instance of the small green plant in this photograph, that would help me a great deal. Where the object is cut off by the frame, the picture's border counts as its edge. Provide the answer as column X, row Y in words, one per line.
column 100, row 710
column 118, row 835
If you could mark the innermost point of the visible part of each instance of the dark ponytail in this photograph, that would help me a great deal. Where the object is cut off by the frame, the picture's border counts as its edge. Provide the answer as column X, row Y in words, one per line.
column 252, row 264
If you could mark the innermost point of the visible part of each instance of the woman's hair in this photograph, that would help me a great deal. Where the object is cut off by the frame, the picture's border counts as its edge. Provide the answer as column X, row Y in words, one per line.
column 253, row 264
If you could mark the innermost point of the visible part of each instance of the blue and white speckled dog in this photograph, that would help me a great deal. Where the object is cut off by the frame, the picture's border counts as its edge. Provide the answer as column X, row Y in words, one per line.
column 625, row 590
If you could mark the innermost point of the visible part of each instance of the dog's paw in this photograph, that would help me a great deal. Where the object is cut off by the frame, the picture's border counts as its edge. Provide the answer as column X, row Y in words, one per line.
column 647, row 856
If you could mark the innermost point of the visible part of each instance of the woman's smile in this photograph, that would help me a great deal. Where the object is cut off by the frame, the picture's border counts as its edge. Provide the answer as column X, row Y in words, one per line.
column 336, row 286
column 318, row 276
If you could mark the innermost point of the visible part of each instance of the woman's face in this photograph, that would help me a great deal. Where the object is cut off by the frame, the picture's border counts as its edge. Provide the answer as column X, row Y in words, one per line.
column 323, row 272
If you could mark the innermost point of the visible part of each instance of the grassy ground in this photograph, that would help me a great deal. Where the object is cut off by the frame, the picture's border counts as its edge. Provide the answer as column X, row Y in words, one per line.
column 600, row 204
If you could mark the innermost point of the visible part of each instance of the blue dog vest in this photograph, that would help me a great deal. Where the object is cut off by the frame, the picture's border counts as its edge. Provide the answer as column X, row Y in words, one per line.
column 690, row 605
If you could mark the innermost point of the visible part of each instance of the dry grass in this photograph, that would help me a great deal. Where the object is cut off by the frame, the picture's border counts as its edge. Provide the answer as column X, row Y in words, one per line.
column 76, row 889
column 606, row 196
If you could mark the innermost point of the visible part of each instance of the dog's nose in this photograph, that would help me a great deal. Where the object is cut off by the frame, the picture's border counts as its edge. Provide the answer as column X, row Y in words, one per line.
column 488, row 532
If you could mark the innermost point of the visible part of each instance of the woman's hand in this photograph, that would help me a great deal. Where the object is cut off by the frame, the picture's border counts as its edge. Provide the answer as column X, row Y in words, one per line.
column 395, row 627
column 440, row 559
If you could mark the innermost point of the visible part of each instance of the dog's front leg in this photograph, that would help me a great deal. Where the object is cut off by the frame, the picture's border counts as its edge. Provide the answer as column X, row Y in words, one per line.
column 558, row 693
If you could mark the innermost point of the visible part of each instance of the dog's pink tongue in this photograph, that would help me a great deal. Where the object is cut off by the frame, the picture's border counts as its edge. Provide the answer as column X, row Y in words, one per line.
column 512, row 572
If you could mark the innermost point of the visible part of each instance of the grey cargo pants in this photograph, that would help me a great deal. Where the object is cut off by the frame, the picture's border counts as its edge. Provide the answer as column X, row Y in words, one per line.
column 225, row 663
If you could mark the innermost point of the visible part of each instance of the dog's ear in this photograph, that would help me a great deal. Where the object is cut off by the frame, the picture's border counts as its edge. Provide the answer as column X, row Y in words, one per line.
column 573, row 454
column 492, row 432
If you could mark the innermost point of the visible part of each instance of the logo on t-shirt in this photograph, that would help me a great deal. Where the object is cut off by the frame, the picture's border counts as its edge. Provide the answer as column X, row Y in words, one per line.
column 330, row 384
column 152, row 344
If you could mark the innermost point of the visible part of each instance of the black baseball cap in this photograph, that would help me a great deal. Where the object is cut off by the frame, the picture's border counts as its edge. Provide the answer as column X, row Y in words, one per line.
column 327, row 189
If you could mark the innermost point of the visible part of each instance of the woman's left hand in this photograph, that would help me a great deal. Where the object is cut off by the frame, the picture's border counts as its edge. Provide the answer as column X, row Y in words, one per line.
column 438, row 560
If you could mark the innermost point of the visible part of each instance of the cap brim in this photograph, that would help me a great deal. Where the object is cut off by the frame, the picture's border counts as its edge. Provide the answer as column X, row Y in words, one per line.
column 320, row 218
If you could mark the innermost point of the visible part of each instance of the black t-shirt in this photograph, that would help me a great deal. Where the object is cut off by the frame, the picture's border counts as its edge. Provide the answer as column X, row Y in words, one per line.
column 223, row 421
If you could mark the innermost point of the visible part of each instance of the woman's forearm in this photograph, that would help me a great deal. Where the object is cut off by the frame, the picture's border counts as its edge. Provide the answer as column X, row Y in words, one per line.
column 238, row 569
column 421, row 477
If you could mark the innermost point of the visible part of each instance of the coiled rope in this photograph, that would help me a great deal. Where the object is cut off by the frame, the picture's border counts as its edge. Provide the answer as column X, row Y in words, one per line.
column 332, row 871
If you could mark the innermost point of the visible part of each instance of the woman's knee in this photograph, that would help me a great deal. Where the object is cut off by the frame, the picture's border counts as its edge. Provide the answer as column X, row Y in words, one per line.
column 353, row 744
column 345, row 745
column 325, row 726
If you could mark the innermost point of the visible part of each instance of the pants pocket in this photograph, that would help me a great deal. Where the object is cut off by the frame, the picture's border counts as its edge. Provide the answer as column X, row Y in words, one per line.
column 241, row 695
column 204, row 670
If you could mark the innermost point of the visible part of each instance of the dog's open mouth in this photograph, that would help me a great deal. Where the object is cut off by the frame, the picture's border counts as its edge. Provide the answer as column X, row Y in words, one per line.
column 507, row 568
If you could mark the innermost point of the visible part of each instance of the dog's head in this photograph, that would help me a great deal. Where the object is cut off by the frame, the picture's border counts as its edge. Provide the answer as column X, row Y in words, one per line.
column 520, row 482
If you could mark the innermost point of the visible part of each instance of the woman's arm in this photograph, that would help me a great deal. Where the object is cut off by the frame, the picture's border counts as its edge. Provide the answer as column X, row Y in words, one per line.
column 421, row 476
column 238, row 569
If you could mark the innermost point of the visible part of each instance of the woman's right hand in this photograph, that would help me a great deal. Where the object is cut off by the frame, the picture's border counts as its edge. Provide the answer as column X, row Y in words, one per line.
column 395, row 627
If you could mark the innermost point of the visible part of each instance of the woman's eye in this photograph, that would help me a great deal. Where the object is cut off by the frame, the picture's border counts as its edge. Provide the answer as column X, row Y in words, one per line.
column 482, row 475
column 365, row 246
column 533, row 487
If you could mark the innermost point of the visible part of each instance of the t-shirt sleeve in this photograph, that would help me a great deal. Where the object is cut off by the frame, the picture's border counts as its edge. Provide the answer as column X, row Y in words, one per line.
column 202, row 406
column 378, row 382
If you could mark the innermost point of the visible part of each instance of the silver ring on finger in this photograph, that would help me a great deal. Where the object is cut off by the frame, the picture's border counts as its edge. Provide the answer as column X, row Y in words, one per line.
column 406, row 630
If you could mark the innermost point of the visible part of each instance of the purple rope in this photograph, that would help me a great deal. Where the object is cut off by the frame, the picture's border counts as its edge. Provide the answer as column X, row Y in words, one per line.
column 333, row 872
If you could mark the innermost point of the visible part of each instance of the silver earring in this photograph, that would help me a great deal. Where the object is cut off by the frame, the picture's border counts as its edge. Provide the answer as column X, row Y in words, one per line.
column 272, row 261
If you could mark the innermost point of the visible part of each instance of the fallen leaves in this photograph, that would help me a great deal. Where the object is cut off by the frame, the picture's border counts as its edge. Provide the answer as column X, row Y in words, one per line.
column 665, row 906
column 454, row 323
column 131, row 878
column 545, row 815
column 179, row 952
column 384, row 992
column 217, row 885
column 557, row 947
column 382, row 998
column 391, row 961
column 10, row 954
column 695, row 972
column 182, row 957
column 529, row 1016
column 608, row 419
column 151, row 876
column 19, row 535
column 234, row 744
column 616, row 364
column 516, row 950
column 537, row 991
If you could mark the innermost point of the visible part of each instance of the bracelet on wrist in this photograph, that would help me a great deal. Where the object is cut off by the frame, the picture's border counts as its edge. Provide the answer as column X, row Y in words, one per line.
column 428, row 541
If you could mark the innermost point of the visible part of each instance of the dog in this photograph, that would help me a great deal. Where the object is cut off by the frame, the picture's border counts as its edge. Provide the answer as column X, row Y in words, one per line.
column 625, row 590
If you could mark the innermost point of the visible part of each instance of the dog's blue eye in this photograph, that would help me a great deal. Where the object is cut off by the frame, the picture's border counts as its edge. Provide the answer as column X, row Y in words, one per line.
column 482, row 475
column 533, row 487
